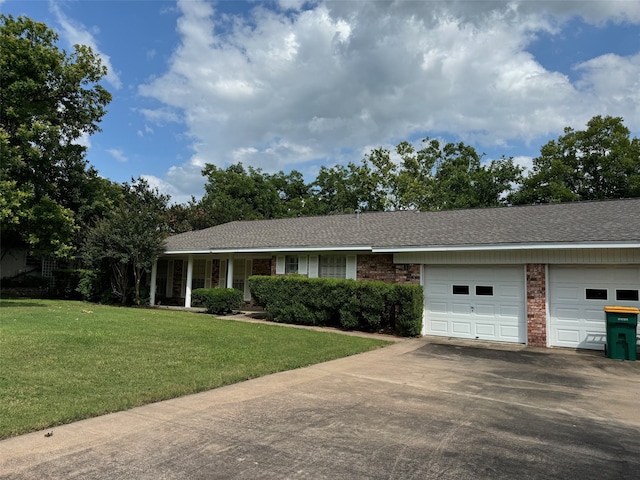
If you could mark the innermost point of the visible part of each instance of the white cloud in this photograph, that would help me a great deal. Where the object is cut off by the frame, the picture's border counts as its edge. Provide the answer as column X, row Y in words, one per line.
column 78, row 34
column 160, row 115
column 84, row 140
column 118, row 154
column 612, row 83
column 282, row 90
column 524, row 162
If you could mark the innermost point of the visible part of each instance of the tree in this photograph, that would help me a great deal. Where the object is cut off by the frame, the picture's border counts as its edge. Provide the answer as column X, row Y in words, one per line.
column 238, row 194
column 127, row 241
column 334, row 191
column 376, row 181
column 598, row 163
column 48, row 100
column 441, row 177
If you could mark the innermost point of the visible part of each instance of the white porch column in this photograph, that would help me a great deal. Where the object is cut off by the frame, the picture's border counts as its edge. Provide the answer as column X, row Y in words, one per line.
column 230, row 271
column 187, row 295
column 152, row 287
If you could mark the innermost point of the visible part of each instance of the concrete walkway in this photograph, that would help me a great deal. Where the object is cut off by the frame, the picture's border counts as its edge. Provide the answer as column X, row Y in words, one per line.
column 421, row 408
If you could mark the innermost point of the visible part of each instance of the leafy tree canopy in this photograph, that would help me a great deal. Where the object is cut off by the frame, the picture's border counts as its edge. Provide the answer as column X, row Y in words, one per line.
column 127, row 240
column 601, row 162
column 48, row 100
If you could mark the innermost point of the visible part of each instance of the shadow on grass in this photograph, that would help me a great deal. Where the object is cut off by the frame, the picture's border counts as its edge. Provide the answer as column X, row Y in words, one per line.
column 20, row 302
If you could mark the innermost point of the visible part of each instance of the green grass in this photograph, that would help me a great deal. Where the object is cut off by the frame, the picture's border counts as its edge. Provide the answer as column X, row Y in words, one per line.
column 64, row 361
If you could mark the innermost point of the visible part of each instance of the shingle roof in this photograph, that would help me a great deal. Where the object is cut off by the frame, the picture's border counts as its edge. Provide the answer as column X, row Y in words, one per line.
column 613, row 221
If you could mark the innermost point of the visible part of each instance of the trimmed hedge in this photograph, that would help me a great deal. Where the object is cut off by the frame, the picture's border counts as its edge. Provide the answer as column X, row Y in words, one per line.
column 218, row 301
column 369, row 306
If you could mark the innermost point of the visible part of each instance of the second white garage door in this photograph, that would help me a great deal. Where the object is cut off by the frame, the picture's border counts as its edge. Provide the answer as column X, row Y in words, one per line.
column 578, row 295
column 486, row 303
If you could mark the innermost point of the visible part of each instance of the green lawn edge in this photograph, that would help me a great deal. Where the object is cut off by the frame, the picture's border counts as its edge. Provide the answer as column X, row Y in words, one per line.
column 64, row 361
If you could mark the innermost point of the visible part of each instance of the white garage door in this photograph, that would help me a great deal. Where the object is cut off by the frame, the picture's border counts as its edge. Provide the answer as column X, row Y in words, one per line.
column 577, row 299
column 475, row 302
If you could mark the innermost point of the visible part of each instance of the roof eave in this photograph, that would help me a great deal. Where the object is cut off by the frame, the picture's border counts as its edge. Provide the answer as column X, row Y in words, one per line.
column 506, row 247
column 289, row 248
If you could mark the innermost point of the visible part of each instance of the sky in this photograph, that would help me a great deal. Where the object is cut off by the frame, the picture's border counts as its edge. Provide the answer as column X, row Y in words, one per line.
column 294, row 84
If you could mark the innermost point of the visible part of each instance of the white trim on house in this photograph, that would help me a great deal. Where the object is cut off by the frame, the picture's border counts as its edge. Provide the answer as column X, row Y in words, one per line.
column 527, row 246
column 590, row 256
column 348, row 248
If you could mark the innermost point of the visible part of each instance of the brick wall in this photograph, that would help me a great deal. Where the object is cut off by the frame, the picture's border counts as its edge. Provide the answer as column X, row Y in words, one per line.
column 263, row 266
column 215, row 273
column 536, row 305
column 381, row 267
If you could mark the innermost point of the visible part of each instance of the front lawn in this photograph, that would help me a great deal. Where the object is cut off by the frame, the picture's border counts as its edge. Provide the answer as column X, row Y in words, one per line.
column 64, row 361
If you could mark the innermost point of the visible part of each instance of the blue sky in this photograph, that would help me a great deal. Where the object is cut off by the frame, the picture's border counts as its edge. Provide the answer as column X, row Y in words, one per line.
column 294, row 84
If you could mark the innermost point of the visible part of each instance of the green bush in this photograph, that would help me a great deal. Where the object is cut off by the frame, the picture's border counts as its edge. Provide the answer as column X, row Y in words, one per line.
column 348, row 304
column 218, row 301
column 94, row 286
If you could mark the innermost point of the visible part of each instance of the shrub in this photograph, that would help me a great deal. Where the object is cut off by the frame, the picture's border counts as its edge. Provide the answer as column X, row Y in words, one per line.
column 94, row 286
column 218, row 301
column 347, row 304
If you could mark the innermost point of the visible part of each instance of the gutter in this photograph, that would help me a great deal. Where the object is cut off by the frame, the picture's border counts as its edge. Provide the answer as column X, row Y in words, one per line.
column 487, row 248
column 412, row 249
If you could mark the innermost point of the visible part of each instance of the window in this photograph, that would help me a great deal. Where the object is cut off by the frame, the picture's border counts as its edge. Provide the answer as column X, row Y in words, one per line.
column 199, row 268
column 461, row 289
column 291, row 265
column 596, row 294
column 627, row 295
column 333, row 266
column 484, row 290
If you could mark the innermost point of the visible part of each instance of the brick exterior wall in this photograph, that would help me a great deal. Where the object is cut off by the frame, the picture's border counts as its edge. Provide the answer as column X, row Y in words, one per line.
column 372, row 267
column 263, row 266
column 215, row 273
column 381, row 267
column 536, row 305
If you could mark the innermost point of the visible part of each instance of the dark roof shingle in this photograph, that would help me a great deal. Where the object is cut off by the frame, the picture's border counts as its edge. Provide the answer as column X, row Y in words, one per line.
column 615, row 221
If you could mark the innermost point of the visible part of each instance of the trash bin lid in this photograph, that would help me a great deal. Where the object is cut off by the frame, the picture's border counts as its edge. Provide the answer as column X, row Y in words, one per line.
column 614, row 309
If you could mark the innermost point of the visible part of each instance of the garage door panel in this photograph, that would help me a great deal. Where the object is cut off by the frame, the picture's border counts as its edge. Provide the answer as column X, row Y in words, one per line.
column 439, row 307
column 568, row 314
column 512, row 311
column 627, row 276
column 486, row 329
column 440, row 326
column 461, row 308
column 568, row 336
column 594, row 340
column 439, row 289
column 566, row 293
column 488, row 302
column 510, row 332
column 510, row 292
column 461, row 328
column 578, row 295
column 594, row 314
column 486, row 310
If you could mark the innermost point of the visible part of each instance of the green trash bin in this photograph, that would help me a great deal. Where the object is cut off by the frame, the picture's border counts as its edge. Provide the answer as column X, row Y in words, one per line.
column 621, row 332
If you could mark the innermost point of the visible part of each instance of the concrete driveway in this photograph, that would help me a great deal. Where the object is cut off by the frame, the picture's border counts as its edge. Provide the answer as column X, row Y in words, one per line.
column 421, row 408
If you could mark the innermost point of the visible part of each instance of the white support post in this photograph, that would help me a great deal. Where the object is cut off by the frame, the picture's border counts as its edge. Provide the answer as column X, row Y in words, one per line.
column 230, row 271
column 152, row 287
column 187, row 295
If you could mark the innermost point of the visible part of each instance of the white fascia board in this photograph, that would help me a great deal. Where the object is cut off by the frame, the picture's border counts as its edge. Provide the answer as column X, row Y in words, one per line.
column 348, row 248
column 480, row 248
